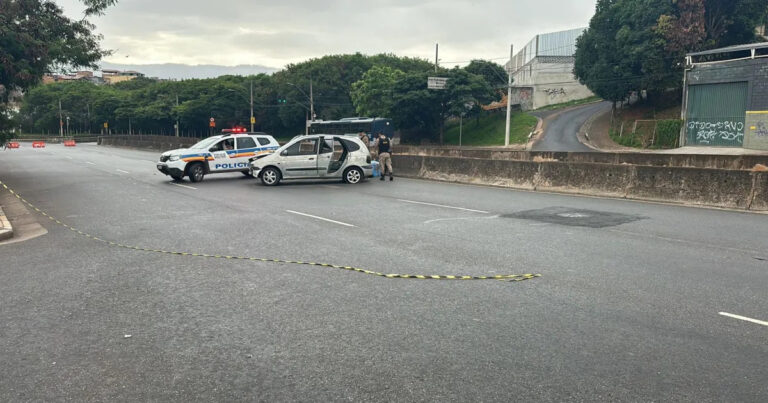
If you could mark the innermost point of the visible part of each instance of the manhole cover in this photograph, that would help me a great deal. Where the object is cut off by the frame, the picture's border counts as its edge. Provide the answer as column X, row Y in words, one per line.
column 575, row 217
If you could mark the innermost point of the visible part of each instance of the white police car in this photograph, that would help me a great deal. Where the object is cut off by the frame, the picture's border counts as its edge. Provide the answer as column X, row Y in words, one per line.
column 228, row 152
column 315, row 157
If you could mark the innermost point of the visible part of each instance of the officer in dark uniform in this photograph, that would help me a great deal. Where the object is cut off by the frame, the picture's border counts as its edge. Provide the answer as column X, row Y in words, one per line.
column 384, row 145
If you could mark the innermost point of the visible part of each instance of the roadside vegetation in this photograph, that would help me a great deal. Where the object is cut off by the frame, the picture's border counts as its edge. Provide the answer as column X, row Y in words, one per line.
column 489, row 129
column 654, row 125
column 569, row 104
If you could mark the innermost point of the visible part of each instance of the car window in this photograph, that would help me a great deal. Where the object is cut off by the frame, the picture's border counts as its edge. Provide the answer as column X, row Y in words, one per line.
column 264, row 141
column 245, row 142
column 326, row 146
column 302, row 147
column 351, row 145
column 224, row 145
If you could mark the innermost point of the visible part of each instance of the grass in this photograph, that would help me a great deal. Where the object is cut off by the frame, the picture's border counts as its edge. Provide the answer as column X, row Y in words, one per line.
column 663, row 116
column 570, row 103
column 489, row 131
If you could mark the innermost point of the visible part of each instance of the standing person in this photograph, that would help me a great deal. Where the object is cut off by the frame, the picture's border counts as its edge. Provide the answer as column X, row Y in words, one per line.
column 364, row 138
column 384, row 144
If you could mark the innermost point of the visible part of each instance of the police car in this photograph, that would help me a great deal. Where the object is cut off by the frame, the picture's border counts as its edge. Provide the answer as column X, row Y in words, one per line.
column 225, row 153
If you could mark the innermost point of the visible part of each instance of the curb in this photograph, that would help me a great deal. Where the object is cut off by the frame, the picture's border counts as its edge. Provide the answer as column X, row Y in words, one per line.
column 6, row 229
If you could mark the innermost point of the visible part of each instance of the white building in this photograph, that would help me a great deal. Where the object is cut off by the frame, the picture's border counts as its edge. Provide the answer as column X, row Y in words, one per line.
column 543, row 71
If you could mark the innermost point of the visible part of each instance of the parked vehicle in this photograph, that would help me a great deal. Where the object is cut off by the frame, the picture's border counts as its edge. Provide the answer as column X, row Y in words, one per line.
column 315, row 157
column 218, row 154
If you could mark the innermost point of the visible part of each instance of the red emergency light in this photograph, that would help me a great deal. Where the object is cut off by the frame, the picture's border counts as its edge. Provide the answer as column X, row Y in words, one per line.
column 234, row 130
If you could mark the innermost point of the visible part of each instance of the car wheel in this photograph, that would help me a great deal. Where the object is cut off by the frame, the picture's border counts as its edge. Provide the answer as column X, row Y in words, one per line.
column 270, row 176
column 353, row 176
column 196, row 172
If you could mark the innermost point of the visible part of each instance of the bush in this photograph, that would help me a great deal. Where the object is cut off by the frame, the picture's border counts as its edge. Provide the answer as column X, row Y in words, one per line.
column 668, row 133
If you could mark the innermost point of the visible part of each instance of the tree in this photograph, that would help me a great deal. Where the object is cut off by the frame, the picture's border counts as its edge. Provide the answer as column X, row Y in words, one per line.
column 372, row 95
column 493, row 73
column 635, row 45
column 36, row 38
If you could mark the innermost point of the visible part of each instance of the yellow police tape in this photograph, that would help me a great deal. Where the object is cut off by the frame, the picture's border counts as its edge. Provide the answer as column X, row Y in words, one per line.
column 501, row 277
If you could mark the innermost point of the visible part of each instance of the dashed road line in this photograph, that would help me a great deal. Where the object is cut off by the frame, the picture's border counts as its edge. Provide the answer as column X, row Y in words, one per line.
column 319, row 218
column 121, row 171
column 444, row 206
column 183, row 186
column 90, row 163
column 744, row 318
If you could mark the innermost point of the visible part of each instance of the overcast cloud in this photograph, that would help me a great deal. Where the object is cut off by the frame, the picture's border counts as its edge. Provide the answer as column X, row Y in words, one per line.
column 275, row 33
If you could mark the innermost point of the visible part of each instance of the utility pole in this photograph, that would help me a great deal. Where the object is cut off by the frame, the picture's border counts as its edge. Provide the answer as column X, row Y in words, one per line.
column 252, row 121
column 88, row 109
column 509, row 95
column 129, row 126
column 311, row 101
column 437, row 61
column 177, row 116
column 67, row 125
column 61, row 121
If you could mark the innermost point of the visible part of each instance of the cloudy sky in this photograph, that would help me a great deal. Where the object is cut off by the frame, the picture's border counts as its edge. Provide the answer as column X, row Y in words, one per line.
column 277, row 32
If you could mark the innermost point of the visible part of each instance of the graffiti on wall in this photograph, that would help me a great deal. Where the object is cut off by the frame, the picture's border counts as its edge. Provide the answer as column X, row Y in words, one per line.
column 762, row 129
column 554, row 92
column 725, row 131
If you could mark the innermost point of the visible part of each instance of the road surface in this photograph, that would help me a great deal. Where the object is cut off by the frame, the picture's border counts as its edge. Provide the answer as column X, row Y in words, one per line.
column 562, row 128
column 628, row 307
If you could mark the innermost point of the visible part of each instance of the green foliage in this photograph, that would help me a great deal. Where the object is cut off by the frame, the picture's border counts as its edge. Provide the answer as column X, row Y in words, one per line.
column 36, row 38
column 668, row 133
column 493, row 73
column 489, row 130
column 417, row 110
column 635, row 45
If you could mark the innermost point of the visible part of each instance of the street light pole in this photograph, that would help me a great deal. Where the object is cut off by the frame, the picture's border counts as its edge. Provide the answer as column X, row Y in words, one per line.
column 252, row 120
column 61, row 121
column 311, row 101
column 177, row 116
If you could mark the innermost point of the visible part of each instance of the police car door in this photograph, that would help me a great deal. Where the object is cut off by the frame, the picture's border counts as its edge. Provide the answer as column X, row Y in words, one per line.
column 221, row 156
column 246, row 148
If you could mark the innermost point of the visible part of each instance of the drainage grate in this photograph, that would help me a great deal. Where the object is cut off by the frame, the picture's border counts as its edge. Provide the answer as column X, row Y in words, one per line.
column 575, row 217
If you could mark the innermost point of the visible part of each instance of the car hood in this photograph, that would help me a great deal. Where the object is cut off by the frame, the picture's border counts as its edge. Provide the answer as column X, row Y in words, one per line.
column 182, row 151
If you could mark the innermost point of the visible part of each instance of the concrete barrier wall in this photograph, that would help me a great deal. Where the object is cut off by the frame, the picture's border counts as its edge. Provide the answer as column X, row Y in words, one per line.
column 735, row 189
column 746, row 162
column 155, row 143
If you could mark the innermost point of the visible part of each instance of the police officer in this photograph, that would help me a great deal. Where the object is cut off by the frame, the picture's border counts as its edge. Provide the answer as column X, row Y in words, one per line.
column 384, row 144
column 363, row 136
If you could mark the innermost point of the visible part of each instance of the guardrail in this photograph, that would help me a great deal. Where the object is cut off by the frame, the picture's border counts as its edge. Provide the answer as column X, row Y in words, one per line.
column 155, row 143
column 57, row 140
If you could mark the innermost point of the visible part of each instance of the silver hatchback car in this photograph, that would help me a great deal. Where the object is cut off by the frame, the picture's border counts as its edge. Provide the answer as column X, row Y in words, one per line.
column 315, row 156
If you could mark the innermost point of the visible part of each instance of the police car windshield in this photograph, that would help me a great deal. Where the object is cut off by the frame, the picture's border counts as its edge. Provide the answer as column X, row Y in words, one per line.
column 206, row 143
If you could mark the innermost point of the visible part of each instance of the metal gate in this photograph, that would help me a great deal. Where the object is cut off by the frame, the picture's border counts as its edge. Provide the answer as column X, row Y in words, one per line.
column 716, row 114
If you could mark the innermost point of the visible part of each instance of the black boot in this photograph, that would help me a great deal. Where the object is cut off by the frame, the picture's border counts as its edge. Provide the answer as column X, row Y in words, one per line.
column 391, row 177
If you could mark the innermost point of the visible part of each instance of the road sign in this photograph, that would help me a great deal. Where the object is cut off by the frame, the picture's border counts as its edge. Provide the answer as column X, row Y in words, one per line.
column 436, row 83
column 253, row 120
column 106, row 125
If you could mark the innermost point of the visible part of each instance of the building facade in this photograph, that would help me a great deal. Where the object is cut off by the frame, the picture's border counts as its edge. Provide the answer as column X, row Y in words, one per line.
column 726, row 97
column 542, row 71
column 117, row 76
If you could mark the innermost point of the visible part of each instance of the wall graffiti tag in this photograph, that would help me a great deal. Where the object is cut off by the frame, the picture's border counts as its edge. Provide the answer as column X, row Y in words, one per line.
column 762, row 129
column 716, row 132
column 553, row 92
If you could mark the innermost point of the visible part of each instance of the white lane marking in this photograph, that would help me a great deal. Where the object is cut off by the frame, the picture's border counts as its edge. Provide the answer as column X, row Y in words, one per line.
column 89, row 162
column 183, row 186
column 444, row 206
column 744, row 318
column 120, row 170
column 319, row 218
column 69, row 158
column 463, row 218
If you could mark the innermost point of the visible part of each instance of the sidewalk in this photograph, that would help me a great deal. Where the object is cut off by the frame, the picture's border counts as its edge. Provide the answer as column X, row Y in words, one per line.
column 6, row 229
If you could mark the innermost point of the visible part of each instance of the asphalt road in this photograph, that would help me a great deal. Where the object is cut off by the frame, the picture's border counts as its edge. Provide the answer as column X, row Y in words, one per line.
column 627, row 308
column 562, row 128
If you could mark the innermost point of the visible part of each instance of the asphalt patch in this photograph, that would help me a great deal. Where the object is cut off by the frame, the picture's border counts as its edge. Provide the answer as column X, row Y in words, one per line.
column 575, row 217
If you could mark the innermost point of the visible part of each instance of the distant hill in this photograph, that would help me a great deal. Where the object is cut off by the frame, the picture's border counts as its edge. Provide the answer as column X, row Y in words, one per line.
column 185, row 71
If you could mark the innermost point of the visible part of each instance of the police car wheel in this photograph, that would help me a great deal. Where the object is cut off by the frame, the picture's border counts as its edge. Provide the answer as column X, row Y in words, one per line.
column 196, row 173
column 353, row 176
column 270, row 177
